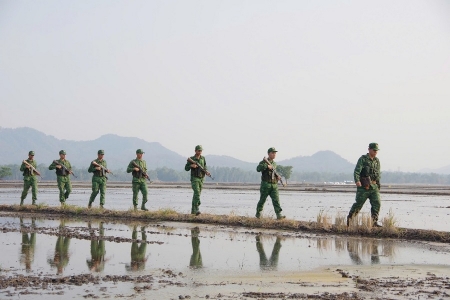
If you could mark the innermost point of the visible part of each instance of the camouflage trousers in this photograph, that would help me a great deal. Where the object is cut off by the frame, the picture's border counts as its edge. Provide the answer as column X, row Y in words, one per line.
column 29, row 181
column 98, row 185
column 269, row 189
column 197, row 185
column 139, row 185
column 65, row 187
column 373, row 194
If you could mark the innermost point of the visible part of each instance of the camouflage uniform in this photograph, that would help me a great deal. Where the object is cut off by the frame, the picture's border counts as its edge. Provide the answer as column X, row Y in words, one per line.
column 98, row 181
column 62, row 178
column 29, row 180
column 139, row 182
column 367, row 166
column 269, row 187
column 197, row 178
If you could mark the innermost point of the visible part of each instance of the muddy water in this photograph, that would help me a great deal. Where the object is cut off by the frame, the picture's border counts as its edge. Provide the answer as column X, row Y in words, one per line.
column 411, row 211
column 174, row 259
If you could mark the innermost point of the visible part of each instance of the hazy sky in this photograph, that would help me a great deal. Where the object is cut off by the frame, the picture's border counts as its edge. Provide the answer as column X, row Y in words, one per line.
column 234, row 76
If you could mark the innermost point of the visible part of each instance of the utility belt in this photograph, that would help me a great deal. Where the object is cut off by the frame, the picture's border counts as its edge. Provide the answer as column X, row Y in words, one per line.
column 62, row 175
column 366, row 182
column 269, row 181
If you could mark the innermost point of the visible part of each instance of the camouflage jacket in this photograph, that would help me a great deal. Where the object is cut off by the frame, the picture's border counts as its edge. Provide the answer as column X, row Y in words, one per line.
column 367, row 167
column 25, row 170
column 92, row 168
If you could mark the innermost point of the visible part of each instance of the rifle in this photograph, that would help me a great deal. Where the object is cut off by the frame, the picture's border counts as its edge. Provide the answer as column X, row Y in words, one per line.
column 274, row 172
column 103, row 168
column 142, row 171
column 199, row 166
column 33, row 169
column 64, row 167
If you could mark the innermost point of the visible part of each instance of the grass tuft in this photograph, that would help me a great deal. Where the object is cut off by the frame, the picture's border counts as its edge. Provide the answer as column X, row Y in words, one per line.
column 390, row 223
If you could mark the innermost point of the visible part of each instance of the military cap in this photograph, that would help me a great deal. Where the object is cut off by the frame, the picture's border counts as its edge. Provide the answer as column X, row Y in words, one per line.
column 101, row 152
column 140, row 151
column 62, row 152
column 31, row 153
column 198, row 147
column 374, row 146
column 271, row 149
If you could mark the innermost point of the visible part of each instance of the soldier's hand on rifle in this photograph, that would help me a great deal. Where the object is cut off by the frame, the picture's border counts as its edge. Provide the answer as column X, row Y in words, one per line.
column 270, row 167
column 136, row 169
column 98, row 168
column 194, row 166
column 207, row 173
column 58, row 166
column 28, row 167
column 358, row 183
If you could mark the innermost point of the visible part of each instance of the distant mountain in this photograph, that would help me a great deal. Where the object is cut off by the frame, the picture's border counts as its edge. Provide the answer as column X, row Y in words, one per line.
column 443, row 170
column 228, row 161
column 322, row 161
column 15, row 144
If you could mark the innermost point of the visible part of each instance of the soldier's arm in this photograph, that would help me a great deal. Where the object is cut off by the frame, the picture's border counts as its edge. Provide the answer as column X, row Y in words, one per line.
column 130, row 167
column 187, row 167
column 261, row 167
column 69, row 166
column 22, row 167
column 91, row 168
column 358, row 168
column 379, row 176
column 52, row 166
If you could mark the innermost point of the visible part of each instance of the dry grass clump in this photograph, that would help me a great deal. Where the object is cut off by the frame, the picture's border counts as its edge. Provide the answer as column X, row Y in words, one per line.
column 390, row 223
column 340, row 222
column 323, row 219
column 361, row 223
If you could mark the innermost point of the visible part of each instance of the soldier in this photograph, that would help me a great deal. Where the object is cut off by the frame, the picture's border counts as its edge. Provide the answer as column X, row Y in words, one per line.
column 99, row 178
column 62, row 176
column 269, row 184
column 367, row 178
column 29, row 178
column 197, row 177
column 139, row 178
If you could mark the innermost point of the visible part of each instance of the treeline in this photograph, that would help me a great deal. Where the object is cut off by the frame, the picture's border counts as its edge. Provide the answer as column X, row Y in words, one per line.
column 226, row 174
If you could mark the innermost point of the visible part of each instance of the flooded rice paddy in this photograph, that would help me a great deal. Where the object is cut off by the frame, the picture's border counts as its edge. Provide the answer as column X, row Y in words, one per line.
column 87, row 258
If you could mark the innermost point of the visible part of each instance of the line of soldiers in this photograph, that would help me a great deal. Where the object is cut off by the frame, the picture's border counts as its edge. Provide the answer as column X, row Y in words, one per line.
column 366, row 175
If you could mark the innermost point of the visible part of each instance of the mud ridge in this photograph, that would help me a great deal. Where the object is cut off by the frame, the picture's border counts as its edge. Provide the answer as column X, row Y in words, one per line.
column 228, row 220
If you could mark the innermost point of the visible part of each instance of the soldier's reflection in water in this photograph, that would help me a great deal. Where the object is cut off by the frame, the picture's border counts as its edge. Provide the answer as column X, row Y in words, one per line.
column 356, row 248
column 264, row 263
column 353, row 251
column 138, row 258
column 61, row 257
column 97, row 261
column 196, row 257
column 28, row 245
